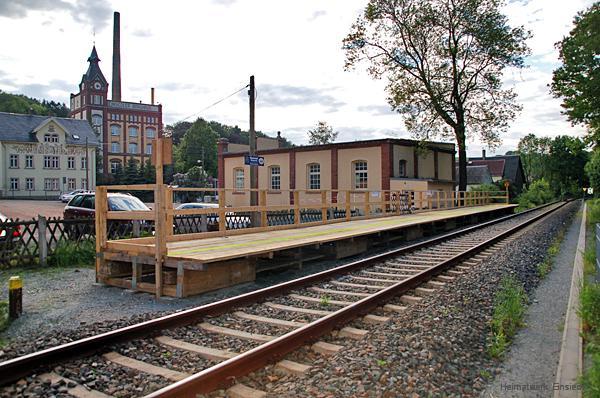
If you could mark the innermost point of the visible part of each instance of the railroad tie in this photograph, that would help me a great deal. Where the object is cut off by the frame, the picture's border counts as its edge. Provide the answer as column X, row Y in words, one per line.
column 144, row 367
column 242, row 391
column 321, row 301
column 212, row 354
column 269, row 321
column 423, row 291
column 394, row 308
column 435, row 284
column 444, row 278
column 358, row 285
column 353, row 333
column 261, row 338
column 300, row 310
column 375, row 319
column 326, row 349
column 77, row 390
column 408, row 299
column 293, row 368
column 338, row 292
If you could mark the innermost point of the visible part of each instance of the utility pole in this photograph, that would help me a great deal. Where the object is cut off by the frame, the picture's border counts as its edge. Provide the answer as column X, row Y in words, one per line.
column 253, row 170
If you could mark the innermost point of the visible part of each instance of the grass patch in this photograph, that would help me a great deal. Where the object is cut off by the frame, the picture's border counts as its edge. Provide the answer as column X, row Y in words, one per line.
column 545, row 266
column 325, row 301
column 69, row 254
column 509, row 310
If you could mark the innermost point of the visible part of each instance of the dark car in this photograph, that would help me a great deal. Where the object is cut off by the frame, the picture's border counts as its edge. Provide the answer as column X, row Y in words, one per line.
column 82, row 206
column 8, row 234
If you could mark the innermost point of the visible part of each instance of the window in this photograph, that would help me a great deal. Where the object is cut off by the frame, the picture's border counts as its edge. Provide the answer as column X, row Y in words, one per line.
column 97, row 99
column 83, row 163
column 314, row 176
column 115, row 130
column 114, row 147
column 71, row 163
column 402, row 168
column 50, row 137
column 150, row 132
column 88, row 202
column 360, row 174
column 133, row 147
column 71, row 184
column 84, row 184
column 148, row 149
column 238, row 177
column 114, row 166
column 29, row 184
column 29, row 161
column 14, row 161
column 133, row 131
column 51, row 162
column 50, row 184
column 14, row 184
column 275, row 178
column 96, row 120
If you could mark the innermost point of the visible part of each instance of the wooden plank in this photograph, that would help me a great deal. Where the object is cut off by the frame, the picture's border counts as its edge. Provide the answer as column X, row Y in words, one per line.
column 269, row 321
column 144, row 367
column 293, row 368
column 361, row 278
column 77, row 390
column 212, row 354
column 240, row 334
column 242, row 391
column 358, row 285
column 130, row 215
column 326, row 349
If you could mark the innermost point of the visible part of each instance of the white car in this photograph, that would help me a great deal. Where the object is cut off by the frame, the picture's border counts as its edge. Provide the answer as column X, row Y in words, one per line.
column 67, row 196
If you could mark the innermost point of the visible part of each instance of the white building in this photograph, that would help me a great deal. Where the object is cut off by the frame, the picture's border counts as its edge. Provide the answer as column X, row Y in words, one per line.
column 41, row 156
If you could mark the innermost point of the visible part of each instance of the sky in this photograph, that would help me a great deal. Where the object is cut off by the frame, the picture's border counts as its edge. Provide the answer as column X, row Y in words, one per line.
column 198, row 52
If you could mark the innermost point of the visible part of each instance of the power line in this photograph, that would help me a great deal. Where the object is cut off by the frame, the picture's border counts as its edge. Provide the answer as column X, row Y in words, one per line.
column 215, row 103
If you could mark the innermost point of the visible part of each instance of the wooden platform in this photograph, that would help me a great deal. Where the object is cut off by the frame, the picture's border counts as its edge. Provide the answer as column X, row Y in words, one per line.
column 196, row 266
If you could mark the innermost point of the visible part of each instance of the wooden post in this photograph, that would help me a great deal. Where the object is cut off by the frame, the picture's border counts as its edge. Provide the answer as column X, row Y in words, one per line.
column 222, row 213
column 420, row 200
column 348, row 207
column 507, row 198
column 42, row 241
column 169, row 209
column 399, row 202
column 429, row 200
column 160, row 230
column 101, row 207
column 367, row 205
column 324, row 207
column 263, row 204
column 15, row 297
column 438, row 194
column 296, row 208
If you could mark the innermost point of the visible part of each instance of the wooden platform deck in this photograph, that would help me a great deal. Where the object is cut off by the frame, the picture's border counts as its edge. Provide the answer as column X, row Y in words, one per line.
column 199, row 265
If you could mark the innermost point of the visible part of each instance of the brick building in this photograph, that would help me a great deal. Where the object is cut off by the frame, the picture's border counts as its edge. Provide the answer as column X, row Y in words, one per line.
column 125, row 129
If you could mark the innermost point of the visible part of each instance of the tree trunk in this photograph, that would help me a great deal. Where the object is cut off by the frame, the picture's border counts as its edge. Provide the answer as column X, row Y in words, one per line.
column 462, row 157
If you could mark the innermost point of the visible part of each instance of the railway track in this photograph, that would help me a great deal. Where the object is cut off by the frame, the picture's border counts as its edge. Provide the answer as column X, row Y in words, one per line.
column 206, row 348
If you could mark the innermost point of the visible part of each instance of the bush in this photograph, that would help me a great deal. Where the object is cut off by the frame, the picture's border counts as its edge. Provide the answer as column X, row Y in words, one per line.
column 4, row 320
column 69, row 253
column 539, row 192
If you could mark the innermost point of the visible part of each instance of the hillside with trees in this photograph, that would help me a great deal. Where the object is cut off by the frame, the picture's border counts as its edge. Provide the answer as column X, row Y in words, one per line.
column 18, row 103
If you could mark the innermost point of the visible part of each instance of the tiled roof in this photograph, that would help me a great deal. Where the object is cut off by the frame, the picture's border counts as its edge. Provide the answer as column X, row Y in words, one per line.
column 19, row 128
column 496, row 166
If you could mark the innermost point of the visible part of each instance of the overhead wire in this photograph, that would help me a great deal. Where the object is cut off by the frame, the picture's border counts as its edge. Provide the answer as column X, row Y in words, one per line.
column 215, row 103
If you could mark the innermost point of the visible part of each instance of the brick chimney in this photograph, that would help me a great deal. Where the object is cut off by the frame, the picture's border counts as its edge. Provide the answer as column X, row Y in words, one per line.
column 116, row 65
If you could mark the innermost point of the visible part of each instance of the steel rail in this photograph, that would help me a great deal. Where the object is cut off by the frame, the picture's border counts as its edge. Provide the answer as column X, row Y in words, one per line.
column 16, row 368
column 226, row 372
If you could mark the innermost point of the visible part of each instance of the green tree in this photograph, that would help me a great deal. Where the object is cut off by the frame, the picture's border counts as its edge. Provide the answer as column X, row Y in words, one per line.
column 198, row 147
column 321, row 134
column 565, row 165
column 534, row 152
column 577, row 81
column 592, row 170
column 443, row 60
column 17, row 103
column 131, row 172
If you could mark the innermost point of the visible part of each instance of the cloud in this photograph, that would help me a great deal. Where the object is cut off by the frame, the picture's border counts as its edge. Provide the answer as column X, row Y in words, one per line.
column 273, row 95
column 225, row 3
column 142, row 33
column 317, row 14
column 89, row 12
column 376, row 110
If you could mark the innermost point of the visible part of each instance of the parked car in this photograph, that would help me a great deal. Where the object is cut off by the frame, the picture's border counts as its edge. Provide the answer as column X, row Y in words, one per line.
column 83, row 206
column 9, row 235
column 234, row 221
column 67, row 196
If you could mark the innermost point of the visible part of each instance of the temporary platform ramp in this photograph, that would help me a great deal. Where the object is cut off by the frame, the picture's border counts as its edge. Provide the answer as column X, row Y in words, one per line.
column 198, row 265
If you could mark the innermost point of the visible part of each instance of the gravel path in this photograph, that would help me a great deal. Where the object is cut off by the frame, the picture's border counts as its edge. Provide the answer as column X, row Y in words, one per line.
column 533, row 357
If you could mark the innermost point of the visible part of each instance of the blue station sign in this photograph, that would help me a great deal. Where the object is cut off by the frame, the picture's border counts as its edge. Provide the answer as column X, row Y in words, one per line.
column 253, row 160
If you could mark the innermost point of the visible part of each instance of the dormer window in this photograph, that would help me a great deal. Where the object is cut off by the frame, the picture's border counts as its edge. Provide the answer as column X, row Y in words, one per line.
column 75, row 137
column 50, row 137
